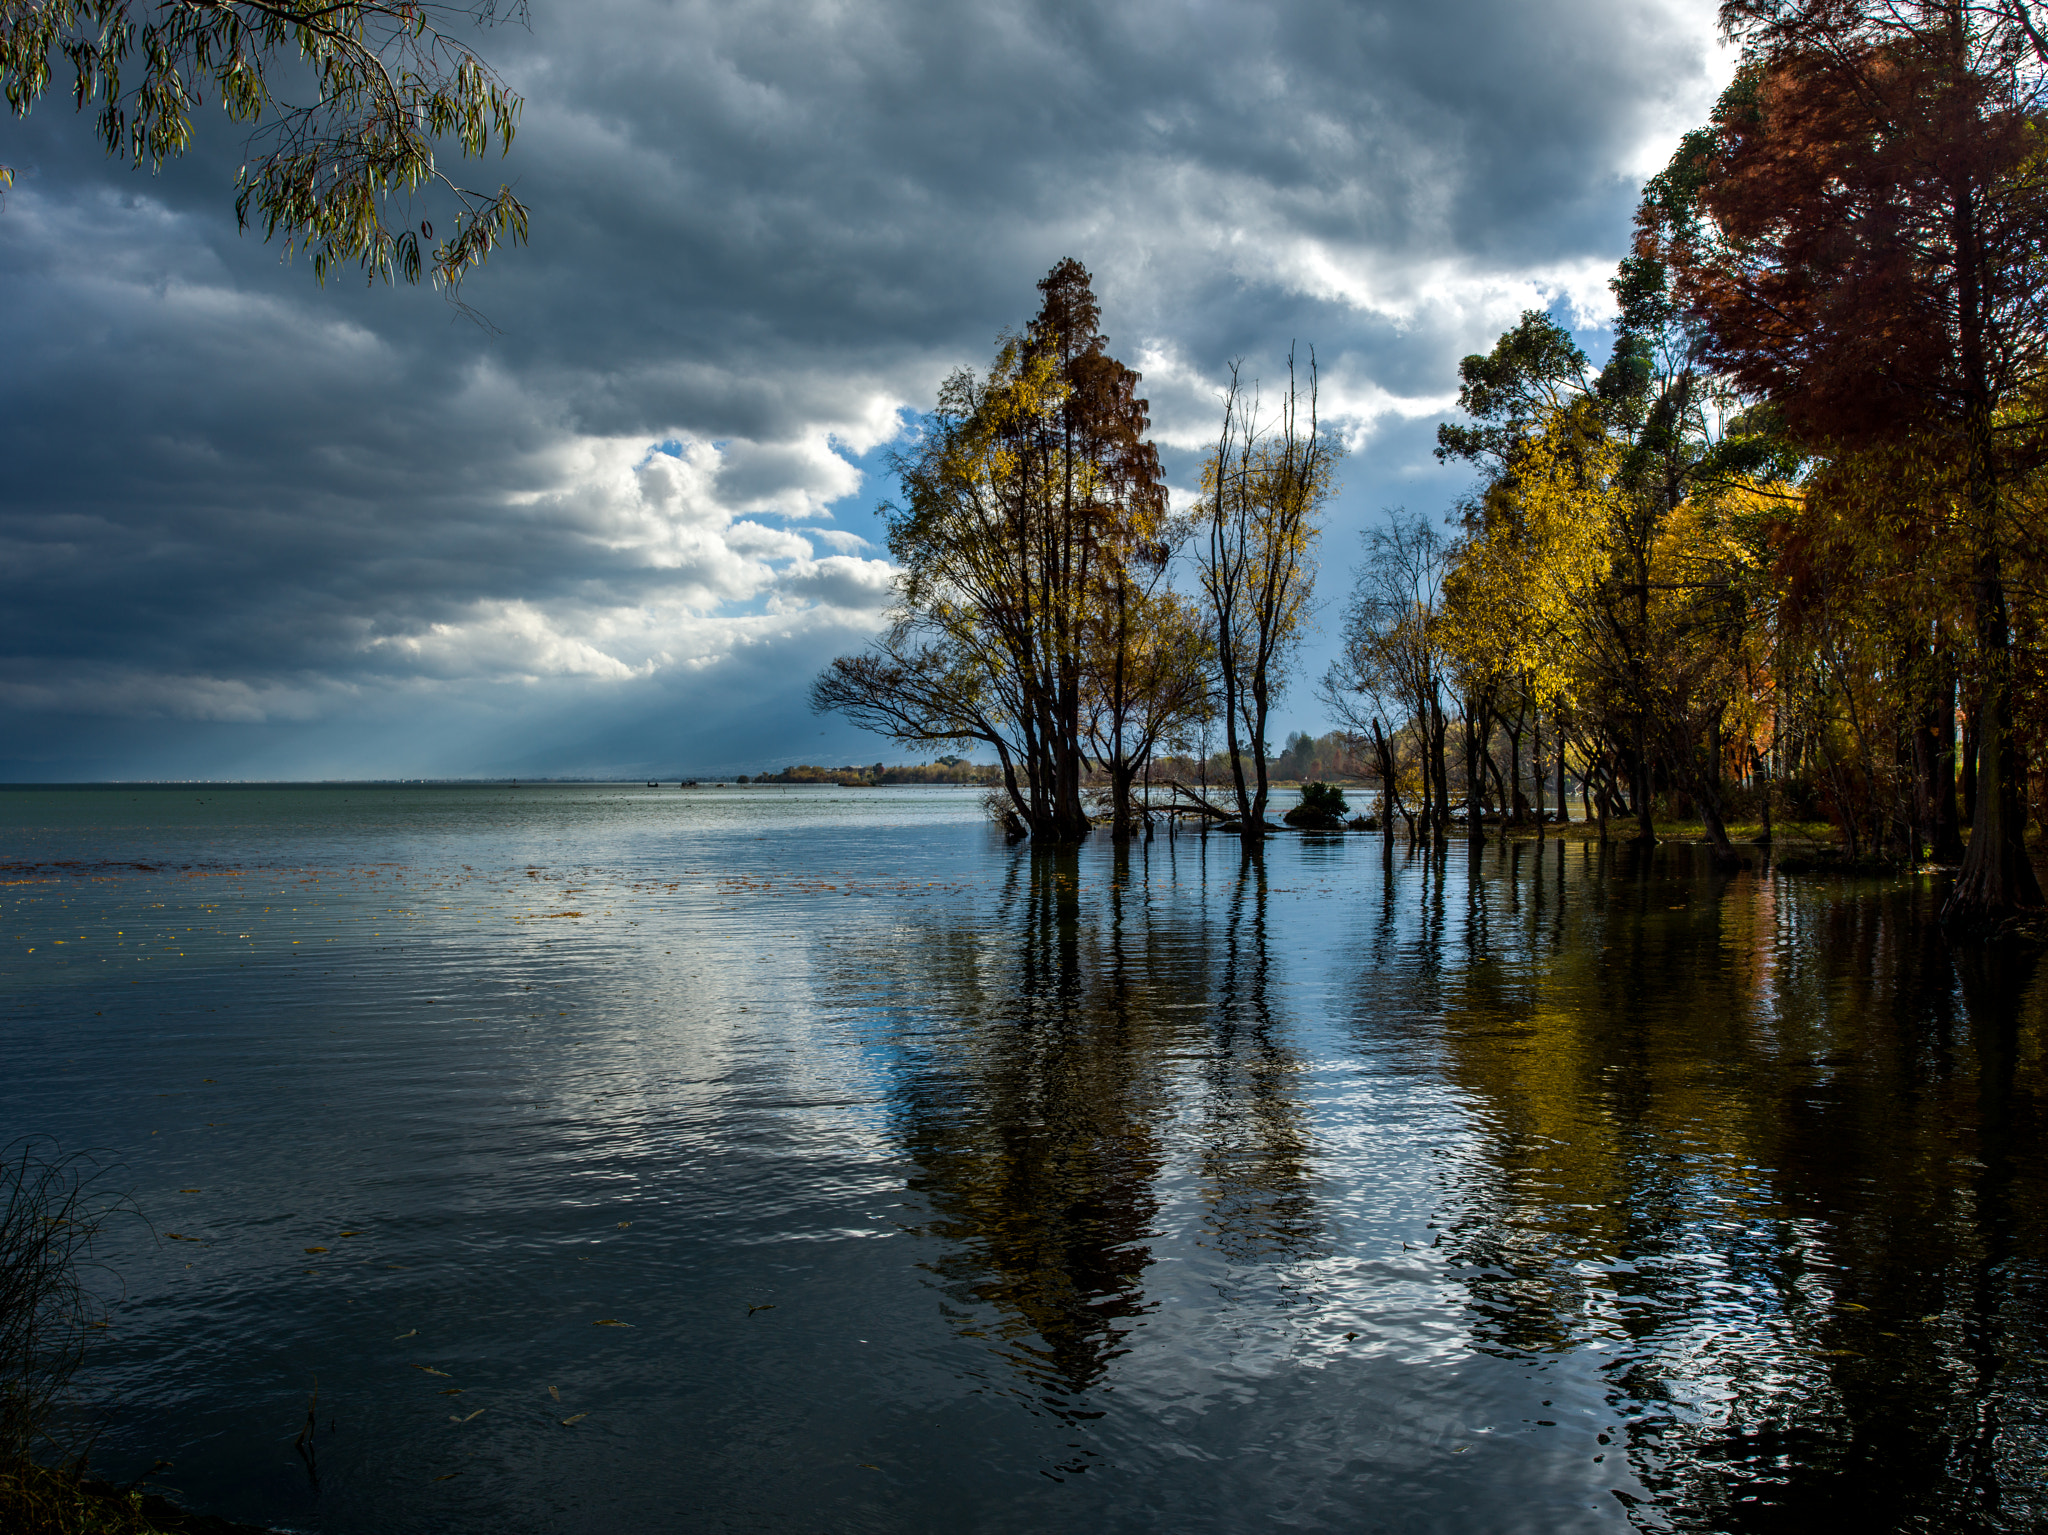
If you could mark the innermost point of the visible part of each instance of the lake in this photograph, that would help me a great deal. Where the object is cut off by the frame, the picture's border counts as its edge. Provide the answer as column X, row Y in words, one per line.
column 610, row 1158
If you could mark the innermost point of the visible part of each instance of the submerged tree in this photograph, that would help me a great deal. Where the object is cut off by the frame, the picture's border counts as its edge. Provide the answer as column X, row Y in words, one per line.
column 1033, row 510
column 390, row 82
column 1264, row 490
column 1390, row 677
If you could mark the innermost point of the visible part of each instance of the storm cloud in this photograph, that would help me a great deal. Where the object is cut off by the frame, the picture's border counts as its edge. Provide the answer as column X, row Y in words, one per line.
column 252, row 527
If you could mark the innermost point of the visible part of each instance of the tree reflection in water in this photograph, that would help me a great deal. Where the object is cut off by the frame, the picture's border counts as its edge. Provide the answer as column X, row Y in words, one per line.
column 1759, row 1153
column 1039, row 1113
column 1746, row 1174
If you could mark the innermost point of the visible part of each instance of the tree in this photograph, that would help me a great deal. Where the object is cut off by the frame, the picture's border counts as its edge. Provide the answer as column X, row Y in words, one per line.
column 390, row 85
column 1265, row 486
column 1858, row 234
column 1148, row 680
column 1393, row 666
column 1032, row 505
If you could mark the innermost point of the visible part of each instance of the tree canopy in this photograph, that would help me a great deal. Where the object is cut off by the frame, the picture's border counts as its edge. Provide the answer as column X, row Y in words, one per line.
column 352, row 176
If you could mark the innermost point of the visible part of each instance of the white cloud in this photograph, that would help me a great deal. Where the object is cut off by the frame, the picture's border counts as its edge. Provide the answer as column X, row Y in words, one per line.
column 839, row 581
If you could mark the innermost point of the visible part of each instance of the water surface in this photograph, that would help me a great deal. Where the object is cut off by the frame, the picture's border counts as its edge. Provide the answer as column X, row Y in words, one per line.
column 936, row 1184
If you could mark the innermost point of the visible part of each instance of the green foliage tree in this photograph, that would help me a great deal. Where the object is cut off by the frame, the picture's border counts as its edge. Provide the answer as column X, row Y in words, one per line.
column 391, row 84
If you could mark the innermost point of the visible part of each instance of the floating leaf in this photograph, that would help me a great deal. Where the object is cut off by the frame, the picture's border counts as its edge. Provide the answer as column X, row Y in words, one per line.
column 316, row 1249
column 447, row 1476
column 451, row 1390
column 430, row 1370
column 554, row 1393
column 348, row 1233
column 188, row 1191
column 404, row 1335
column 177, row 1236
column 610, row 1321
column 574, row 1418
column 624, row 1224
column 1849, row 1305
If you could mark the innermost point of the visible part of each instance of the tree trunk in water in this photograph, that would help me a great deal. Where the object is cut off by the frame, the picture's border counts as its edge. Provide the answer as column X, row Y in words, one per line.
column 1515, row 805
column 1639, row 786
column 1443, row 774
column 1944, row 836
column 1475, row 779
column 1708, row 797
column 1969, row 765
column 1996, row 879
column 1121, row 821
column 1424, row 807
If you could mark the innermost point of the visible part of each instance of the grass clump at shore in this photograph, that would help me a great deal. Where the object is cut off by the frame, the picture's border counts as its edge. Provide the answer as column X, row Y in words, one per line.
column 46, row 1500
column 53, row 1207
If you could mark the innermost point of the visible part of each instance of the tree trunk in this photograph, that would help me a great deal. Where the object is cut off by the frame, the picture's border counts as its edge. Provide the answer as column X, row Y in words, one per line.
column 1120, row 818
column 1564, row 804
column 1390, row 793
column 1708, row 798
column 1438, row 760
column 1639, row 785
column 1997, row 878
column 1969, row 765
column 1512, row 802
column 1255, row 823
column 1475, row 781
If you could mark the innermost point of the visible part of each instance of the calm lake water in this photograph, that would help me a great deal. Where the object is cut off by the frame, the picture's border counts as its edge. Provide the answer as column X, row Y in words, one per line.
column 619, row 1159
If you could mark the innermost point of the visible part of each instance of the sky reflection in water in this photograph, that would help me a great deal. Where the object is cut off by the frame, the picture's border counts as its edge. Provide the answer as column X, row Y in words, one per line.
column 940, row 1184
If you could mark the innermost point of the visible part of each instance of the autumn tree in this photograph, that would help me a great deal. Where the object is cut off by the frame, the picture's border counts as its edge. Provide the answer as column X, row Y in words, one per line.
column 1858, row 235
column 1148, row 677
column 1264, row 489
column 390, row 80
column 1032, row 504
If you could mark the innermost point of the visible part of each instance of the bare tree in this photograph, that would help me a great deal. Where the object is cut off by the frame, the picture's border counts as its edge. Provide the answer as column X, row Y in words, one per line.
column 1265, row 486
column 1392, row 665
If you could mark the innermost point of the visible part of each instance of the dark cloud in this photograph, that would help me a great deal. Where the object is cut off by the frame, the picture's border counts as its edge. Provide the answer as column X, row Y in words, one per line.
column 249, row 525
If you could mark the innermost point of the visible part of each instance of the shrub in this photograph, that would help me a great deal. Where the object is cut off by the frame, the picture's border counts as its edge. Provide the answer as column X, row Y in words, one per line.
column 1323, row 799
column 52, row 1208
